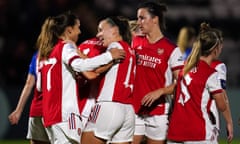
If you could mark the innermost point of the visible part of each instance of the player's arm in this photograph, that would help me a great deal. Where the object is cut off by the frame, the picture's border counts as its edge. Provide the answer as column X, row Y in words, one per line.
column 223, row 106
column 95, row 73
column 104, row 68
column 87, row 74
column 16, row 114
column 222, row 72
column 228, row 118
column 152, row 96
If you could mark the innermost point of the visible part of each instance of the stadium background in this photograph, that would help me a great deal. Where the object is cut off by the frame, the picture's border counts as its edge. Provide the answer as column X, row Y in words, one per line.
column 20, row 23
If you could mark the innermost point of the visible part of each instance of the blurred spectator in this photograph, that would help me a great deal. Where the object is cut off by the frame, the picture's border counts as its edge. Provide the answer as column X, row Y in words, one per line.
column 186, row 37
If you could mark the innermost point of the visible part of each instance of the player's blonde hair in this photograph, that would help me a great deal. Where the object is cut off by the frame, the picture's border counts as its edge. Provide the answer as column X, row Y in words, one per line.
column 206, row 42
column 185, row 37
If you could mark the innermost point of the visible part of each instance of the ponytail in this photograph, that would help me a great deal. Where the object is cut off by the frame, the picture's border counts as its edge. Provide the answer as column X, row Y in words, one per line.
column 193, row 58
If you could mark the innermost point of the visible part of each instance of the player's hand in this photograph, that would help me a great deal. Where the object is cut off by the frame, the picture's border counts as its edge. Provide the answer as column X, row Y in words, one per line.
column 117, row 53
column 151, row 97
column 229, row 128
column 14, row 117
column 81, row 54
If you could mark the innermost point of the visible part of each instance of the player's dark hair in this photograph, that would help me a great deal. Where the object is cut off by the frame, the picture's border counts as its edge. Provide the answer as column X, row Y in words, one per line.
column 156, row 9
column 123, row 26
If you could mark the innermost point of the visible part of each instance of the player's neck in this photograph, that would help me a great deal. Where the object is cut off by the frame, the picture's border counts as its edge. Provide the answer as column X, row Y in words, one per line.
column 154, row 36
column 207, row 59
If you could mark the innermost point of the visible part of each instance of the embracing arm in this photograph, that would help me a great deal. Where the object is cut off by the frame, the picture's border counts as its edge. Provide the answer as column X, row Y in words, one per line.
column 95, row 73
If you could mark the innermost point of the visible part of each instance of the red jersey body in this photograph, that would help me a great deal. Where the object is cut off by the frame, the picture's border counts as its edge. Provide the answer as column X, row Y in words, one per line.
column 190, row 119
column 92, row 47
column 155, row 65
column 88, row 91
column 117, row 84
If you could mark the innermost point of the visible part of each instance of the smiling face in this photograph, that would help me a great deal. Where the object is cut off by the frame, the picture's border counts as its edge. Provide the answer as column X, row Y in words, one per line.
column 106, row 32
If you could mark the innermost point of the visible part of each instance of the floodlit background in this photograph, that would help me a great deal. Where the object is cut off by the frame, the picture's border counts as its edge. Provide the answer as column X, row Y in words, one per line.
column 21, row 20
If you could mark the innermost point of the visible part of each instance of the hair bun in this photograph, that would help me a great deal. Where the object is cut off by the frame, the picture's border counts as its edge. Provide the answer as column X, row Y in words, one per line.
column 204, row 27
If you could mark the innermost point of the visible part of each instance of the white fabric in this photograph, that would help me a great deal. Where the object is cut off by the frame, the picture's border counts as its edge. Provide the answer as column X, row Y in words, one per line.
column 112, row 121
column 80, row 65
column 154, row 127
column 68, row 132
column 36, row 130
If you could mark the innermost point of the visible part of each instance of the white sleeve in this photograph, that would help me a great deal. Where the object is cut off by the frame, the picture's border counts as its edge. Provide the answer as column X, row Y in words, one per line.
column 70, row 57
column 115, row 45
column 176, row 59
column 213, row 83
column 222, row 71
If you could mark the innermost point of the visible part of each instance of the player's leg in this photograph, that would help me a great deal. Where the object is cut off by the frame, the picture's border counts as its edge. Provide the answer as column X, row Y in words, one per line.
column 139, row 132
column 156, row 129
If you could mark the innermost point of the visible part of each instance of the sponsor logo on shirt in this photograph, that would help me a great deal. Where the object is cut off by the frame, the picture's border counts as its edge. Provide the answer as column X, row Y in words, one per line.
column 148, row 61
column 180, row 58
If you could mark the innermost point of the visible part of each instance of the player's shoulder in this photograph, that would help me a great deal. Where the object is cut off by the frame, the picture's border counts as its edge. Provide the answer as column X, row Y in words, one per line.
column 91, row 40
column 138, row 38
column 90, row 43
column 117, row 44
column 217, row 63
column 168, row 43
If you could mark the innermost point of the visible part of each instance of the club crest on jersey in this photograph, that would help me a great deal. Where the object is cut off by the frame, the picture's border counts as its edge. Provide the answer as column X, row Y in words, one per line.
column 160, row 51
column 139, row 47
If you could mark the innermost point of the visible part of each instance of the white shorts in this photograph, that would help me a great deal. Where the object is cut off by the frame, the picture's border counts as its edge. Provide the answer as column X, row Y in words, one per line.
column 68, row 132
column 112, row 121
column 154, row 127
column 87, row 110
column 36, row 130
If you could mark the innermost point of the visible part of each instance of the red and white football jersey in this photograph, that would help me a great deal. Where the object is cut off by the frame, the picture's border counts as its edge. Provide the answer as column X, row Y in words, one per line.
column 88, row 91
column 190, row 120
column 36, row 104
column 117, row 84
column 58, row 84
column 220, row 67
column 155, row 65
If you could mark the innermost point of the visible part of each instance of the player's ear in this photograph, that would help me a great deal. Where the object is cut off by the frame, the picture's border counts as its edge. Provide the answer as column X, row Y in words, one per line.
column 69, row 30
